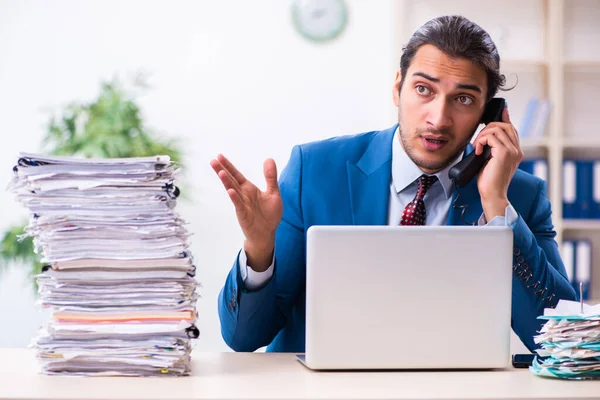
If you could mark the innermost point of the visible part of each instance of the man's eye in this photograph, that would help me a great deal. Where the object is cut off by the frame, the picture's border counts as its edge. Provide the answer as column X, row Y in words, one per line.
column 422, row 89
column 466, row 100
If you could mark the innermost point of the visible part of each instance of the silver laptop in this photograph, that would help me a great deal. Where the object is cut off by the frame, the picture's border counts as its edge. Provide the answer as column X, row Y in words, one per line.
column 398, row 297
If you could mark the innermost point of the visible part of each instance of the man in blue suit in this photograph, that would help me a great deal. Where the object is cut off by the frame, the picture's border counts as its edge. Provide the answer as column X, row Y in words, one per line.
column 448, row 72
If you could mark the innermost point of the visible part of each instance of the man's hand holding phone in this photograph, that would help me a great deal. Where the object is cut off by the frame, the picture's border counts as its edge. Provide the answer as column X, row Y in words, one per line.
column 258, row 212
column 506, row 154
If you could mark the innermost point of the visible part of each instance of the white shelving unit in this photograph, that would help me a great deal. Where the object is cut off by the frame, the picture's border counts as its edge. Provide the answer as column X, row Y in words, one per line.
column 553, row 48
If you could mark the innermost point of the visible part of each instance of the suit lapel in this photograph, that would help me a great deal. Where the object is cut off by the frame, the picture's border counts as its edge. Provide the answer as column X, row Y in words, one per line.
column 369, row 181
column 468, row 199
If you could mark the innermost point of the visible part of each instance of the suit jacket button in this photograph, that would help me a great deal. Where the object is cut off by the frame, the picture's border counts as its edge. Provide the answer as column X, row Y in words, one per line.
column 520, row 259
column 516, row 251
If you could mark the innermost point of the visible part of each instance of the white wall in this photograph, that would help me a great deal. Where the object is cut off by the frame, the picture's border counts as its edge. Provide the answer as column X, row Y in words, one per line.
column 228, row 76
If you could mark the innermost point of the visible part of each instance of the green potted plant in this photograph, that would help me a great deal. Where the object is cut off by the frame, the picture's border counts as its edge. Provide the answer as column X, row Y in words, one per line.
column 110, row 126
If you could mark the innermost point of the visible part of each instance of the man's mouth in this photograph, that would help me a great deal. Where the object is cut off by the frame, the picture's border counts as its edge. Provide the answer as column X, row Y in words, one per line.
column 436, row 140
column 433, row 143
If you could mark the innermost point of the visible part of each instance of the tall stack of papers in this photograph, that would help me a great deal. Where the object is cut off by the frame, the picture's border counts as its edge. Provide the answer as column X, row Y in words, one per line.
column 119, row 278
column 570, row 342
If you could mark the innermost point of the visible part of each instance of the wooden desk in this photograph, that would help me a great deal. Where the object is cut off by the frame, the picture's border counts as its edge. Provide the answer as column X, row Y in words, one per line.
column 280, row 376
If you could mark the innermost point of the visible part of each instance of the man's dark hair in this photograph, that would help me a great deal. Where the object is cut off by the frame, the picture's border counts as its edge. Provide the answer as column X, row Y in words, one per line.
column 458, row 37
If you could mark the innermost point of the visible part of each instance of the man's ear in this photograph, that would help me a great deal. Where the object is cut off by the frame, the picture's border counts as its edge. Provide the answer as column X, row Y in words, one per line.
column 396, row 88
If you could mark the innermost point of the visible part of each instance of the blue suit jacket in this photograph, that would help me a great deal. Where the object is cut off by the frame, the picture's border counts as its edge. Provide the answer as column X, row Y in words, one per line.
column 344, row 181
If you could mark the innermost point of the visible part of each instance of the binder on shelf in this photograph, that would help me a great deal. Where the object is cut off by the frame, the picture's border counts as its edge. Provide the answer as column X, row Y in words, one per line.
column 570, row 209
column 583, row 266
column 525, row 127
column 526, row 165
column 596, row 190
column 584, row 191
column 535, row 166
column 568, row 257
column 540, row 122
column 535, row 119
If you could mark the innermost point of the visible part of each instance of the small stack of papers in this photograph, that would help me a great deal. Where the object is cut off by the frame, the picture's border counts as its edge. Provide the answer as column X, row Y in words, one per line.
column 118, row 275
column 570, row 342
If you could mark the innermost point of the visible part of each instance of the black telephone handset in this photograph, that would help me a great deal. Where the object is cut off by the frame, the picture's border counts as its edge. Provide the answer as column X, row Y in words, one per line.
column 469, row 166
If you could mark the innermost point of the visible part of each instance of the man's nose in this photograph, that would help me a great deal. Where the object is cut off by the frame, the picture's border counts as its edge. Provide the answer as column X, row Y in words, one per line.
column 439, row 114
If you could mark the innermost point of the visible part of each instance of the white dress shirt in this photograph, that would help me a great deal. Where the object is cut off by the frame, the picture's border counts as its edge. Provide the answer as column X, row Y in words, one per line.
column 403, row 189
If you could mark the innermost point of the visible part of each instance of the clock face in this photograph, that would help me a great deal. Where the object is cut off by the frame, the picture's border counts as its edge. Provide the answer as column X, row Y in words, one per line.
column 319, row 20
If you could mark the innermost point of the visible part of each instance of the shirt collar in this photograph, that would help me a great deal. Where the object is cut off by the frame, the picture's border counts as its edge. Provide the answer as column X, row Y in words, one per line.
column 405, row 171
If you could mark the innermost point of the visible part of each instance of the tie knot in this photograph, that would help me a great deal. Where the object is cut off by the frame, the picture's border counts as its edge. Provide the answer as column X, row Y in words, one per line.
column 425, row 182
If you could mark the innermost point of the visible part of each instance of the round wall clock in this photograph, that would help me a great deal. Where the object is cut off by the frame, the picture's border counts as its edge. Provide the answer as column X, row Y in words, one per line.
column 319, row 20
